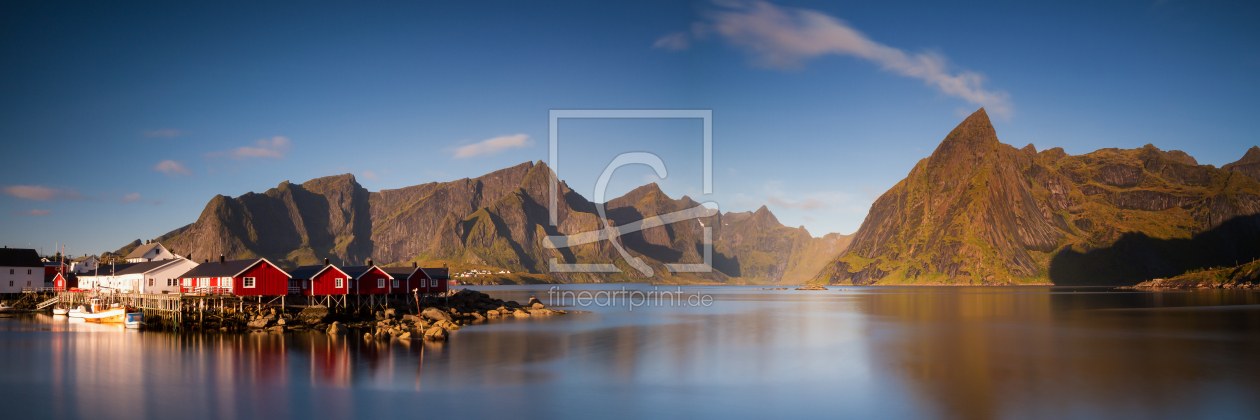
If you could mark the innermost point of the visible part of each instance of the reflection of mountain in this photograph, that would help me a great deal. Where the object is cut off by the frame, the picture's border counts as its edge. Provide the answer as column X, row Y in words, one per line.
column 1008, row 353
column 500, row 220
column 981, row 212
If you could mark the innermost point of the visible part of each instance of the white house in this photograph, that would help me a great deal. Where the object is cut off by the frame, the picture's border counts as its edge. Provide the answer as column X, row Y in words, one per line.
column 84, row 264
column 152, row 276
column 20, row 268
column 152, row 251
column 104, row 277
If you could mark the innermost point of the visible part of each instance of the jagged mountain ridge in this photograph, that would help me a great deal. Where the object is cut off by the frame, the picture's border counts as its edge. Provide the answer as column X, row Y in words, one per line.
column 499, row 219
column 981, row 212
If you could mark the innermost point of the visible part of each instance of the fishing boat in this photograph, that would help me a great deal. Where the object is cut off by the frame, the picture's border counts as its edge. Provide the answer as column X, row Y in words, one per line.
column 98, row 313
column 5, row 308
column 134, row 320
column 60, row 310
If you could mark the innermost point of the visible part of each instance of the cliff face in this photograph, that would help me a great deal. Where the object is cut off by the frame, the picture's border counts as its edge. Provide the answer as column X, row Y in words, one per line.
column 981, row 212
column 1249, row 164
column 499, row 219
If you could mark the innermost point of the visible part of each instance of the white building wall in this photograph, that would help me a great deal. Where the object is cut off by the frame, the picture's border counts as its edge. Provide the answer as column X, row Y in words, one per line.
column 166, row 278
column 13, row 279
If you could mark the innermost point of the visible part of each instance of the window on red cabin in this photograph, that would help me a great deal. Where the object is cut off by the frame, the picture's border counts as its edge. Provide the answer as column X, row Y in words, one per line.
column 380, row 283
column 249, row 282
column 338, row 282
column 395, row 283
column 435, row 284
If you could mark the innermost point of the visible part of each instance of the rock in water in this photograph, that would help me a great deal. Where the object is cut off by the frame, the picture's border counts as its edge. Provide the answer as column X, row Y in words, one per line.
column 435, row 314
column 812, row 287
column 259, row 323
column 337, row 329
column 435, row 333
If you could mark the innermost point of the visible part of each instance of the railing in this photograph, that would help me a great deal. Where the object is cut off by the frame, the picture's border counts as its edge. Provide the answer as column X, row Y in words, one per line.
column 38, row 289
column 213, row 290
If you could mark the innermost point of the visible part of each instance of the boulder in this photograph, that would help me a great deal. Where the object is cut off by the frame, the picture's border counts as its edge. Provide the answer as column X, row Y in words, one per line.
column 259, row 323
column 337, row 329
column 367, row 336
column 313, row 315
column 412, row 319
column 435, row 333
column 406, row 336
column 435, row 314
column 391, row 313
column 281, row 321
column 478, row 317
column 492, row 313
column 380, row 315
column 277, row 328
column 520, row 312
column 534, row 301
column 537, row 305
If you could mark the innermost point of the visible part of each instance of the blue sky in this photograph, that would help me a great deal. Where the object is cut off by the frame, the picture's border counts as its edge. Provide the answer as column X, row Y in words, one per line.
column 121, row 121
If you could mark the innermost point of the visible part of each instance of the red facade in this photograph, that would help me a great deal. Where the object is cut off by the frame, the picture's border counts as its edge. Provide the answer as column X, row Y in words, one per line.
column 269, row 280
column 421, row 280
column 326, row 283
column 59, row 283
column 374, row 282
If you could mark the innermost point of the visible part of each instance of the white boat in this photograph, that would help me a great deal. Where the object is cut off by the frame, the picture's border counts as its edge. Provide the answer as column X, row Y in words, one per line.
column 114, row 314
column 134, row 320
column 60, row 310
column 4, row 307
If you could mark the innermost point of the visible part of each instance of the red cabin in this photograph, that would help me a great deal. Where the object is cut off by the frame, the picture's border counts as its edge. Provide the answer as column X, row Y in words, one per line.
column 422, row 280
column 62, row 282
column 370, row 280
column 253, row 277
column 319, row 280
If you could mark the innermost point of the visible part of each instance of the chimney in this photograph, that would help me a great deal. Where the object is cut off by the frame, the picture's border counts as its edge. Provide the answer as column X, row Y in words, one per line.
column 189, row 256
column 414, row 264
column 222, row 259
column 325, row 262
column 207, row 261
column 369, row 262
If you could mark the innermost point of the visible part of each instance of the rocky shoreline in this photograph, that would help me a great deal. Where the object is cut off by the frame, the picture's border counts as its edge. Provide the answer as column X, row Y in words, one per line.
column 434, row 322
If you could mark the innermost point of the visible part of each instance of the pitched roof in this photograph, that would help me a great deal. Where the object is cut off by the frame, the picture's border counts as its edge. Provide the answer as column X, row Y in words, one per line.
column 308, row 272
column 143, row 267
column 399, row 272
column 437, row 273
column 229, row 268
column 109, row 269
column 356, row 271
column 19, row 257
column 142, row 249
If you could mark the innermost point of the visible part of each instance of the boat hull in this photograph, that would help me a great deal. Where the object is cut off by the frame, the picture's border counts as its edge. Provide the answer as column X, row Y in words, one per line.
column 108, row 316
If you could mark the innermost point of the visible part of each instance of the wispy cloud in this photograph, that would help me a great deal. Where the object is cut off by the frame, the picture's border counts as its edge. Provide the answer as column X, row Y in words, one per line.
column 677, row 41
column 786, row 37
column 131, row 197
column 40, row 193
column 34, row 212
column 493, row 146
column 172, row 168
column 371, row 175
column 165, row 133
column 274, row 148
column 809, row 204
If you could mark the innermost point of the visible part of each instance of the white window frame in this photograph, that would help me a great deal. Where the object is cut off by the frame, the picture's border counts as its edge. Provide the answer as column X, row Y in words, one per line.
column 435, row 283
column 249, row 282
column 394, row 283
column 339, row 283
column 380, row 283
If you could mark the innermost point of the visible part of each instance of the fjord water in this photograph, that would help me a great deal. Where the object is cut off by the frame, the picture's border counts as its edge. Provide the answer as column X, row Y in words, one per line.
column 865, row 352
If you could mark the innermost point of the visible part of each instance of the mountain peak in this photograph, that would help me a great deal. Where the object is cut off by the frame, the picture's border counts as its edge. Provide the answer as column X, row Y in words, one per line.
column 1252, row 156
column 970, row 138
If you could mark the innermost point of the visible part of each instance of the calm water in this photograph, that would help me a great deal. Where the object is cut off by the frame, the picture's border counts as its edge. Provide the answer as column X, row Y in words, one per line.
column 973, row 353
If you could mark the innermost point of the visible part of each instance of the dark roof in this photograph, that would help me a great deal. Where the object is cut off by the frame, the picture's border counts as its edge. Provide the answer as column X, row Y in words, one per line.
column 142, row 267
column 140, row 250
column 220, row 269
column 19, row 257
column 109, row 269
column 356, row 271
column 307, row 272
column 51, row 277
column 437, row 273
column 399, row 272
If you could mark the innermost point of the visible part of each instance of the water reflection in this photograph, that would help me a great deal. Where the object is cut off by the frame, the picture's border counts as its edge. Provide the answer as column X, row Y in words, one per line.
column 869, row 352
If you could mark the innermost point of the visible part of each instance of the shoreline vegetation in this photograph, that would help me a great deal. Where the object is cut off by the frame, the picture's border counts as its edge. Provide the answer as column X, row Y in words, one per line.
column 1244, row 277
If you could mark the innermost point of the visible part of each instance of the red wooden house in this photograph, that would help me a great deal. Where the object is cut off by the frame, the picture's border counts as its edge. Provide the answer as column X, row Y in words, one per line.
column 422, row 280
column 319, row 280
column 370, row 280
column 62, row 282
column 252, row 277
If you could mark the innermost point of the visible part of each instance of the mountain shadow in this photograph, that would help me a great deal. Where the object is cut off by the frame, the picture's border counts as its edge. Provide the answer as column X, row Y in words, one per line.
column 1136, row 257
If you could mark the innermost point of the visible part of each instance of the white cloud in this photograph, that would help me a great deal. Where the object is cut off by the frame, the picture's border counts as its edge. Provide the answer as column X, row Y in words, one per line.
column 131, row 197
column 34, row 212
column 39, row 193
column 163, row 133
column 677, row 41
column 275, row 148
column 786, row 37
column 172, row 168
column 493, row 146
column 371, row 175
